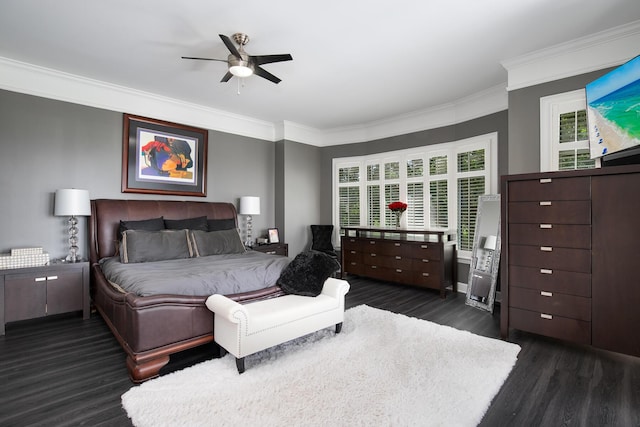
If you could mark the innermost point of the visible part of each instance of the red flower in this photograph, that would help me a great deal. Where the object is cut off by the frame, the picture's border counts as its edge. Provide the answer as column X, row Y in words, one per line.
column 397, row 206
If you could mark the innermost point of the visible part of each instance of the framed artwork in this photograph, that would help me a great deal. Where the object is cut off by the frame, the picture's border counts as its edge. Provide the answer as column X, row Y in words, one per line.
column 160, row 157
column 273, row 235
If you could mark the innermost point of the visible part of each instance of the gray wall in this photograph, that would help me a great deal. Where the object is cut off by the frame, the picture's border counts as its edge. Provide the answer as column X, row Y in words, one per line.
column 524, row 119
column 47, row 145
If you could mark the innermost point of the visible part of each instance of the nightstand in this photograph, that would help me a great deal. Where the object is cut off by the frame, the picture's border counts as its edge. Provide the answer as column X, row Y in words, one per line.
column 32, row 292
column 273, row 249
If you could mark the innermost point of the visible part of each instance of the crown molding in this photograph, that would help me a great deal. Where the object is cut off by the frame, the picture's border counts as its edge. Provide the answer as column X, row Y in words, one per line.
column 591, row 53
column 44, row 82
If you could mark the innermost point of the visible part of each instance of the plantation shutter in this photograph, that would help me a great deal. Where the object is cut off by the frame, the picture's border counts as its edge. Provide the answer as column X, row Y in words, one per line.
column 438, row 192
column 415, row 193
column 349, row 196
column 471, row 184
column 391, row 194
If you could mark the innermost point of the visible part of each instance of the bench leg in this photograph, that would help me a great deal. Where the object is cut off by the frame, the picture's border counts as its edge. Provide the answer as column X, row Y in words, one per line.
column 338, row 327
column 240, row 364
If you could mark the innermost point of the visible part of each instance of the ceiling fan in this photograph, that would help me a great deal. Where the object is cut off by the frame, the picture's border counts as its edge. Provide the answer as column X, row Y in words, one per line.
column 242, row 64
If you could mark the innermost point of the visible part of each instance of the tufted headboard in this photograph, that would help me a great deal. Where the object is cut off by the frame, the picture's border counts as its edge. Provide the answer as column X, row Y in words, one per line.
column 107, row 213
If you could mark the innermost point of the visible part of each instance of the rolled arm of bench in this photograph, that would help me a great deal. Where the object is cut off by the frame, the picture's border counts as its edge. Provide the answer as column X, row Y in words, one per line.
column 225, row 307
column 336, row 288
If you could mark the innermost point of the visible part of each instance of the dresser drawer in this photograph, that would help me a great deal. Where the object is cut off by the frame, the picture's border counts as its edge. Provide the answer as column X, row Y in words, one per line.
column 387, row 261
column 351, row 243
column 390, row 274
column 563, row 328
column 427, row 279
column 381, row 247
column 566, row 282
column 552, row 303
column 563, row 235
column 353, row 266
column 577, row 188
column 550, row 212
column 422, row 250
column 552, row 258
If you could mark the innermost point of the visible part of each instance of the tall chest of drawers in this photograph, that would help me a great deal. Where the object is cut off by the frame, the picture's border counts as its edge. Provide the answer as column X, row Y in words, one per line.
column 420, row 258
column 568, row 267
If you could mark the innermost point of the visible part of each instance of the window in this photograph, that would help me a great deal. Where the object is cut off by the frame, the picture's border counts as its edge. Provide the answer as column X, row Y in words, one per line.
column 440, row 184
column 564, row 135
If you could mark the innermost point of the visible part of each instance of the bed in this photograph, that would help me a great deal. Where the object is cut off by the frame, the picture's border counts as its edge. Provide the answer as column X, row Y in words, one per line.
column 151, row 327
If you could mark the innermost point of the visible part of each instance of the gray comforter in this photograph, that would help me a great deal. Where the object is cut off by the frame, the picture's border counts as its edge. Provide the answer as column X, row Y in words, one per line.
column 215, row 274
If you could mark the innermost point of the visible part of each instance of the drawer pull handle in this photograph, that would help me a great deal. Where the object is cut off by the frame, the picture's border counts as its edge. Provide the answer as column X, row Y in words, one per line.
column 546, row 316
column 546, row 226
column 353, row 252
column 398, row 257
column 352, row 240
column 547, row 203
column 371, row 242
column 374, row 266
column 424, row 246
column 425, row 274
column 396, row 244
column 40, row 279
column 545, row 180
column 546, row 271
column 353, row 263
column 52, row 277
column 425, row 260
column 398, row 270
column 373, row 255
column 546, row 248
column 546, row 294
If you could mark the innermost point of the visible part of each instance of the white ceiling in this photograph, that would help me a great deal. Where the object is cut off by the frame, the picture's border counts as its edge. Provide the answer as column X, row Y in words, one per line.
column 354, row 61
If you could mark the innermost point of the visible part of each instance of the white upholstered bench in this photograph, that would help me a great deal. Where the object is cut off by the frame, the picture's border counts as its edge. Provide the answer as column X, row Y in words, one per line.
column 244, row 329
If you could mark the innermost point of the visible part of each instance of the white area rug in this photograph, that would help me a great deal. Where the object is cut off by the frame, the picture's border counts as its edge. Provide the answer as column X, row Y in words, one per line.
column 383, row 369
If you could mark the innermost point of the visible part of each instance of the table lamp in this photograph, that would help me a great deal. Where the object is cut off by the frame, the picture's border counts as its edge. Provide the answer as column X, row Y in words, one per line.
column 249, row 205
column 72, row 202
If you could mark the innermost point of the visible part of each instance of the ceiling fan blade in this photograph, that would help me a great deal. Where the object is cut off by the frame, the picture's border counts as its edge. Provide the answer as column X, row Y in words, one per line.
column 268, row 59
column 203, row 59
column 229, row 44
column 265, row 74
column 226, row 77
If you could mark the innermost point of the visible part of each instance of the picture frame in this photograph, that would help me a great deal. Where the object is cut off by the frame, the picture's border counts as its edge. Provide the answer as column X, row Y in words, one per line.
column 160, row 157
column 274, row 236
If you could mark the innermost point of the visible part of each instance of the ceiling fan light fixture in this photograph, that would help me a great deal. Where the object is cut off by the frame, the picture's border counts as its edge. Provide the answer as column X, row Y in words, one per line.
column 239, row 68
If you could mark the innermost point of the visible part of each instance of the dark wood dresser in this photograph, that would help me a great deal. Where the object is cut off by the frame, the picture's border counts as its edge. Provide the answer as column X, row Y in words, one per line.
column 569, row 250
column 422, row 258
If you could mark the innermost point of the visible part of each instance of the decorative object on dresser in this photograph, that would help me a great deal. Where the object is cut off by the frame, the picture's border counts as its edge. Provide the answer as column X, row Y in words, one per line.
column 24, row 257
column 397, row 208
column 570, row 258
column 353, row 378
column 31, row 292
column 485, row 256
column 423, row 258
column 249, row 205
column 274, row 235
column 72, row 202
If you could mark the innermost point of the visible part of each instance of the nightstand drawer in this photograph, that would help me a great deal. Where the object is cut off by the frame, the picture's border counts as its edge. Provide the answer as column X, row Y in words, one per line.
column 550, row 212
column 576, row 188
column 551, row 303
column 562, row 235
column 544, row 279
column 549, row 257
column 563, row 328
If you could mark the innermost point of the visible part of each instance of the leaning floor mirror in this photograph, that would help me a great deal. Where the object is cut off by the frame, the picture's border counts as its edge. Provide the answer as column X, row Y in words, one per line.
column 485, row 256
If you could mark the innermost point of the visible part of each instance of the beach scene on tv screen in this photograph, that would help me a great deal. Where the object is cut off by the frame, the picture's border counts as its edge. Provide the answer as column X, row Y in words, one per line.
column 613, row 110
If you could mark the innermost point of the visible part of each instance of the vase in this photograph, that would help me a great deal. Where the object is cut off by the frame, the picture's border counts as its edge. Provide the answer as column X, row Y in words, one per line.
column 398, row 215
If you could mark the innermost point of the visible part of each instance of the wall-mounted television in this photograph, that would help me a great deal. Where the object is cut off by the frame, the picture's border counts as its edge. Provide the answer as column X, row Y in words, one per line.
column 613, row 112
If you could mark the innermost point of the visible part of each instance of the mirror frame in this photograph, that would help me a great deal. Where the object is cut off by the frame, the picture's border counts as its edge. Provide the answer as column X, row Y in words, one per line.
column 495, row 260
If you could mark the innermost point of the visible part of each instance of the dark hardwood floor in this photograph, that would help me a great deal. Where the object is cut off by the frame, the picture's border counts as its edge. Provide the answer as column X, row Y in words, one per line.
column 64, row 371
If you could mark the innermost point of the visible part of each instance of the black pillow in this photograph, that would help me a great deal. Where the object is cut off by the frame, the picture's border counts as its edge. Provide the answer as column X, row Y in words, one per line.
column 199, row 223
column 152, row 224
column 306, row 274
column 221, row 224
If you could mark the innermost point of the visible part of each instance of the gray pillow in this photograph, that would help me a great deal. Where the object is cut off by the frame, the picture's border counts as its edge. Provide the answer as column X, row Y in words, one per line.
column 146, row 246
column 220, row 242
column 198, row 223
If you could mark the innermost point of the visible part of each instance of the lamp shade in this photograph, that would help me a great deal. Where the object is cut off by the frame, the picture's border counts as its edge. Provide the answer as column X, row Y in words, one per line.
column 490, row 243
column 249, row 205
column 72, row 202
